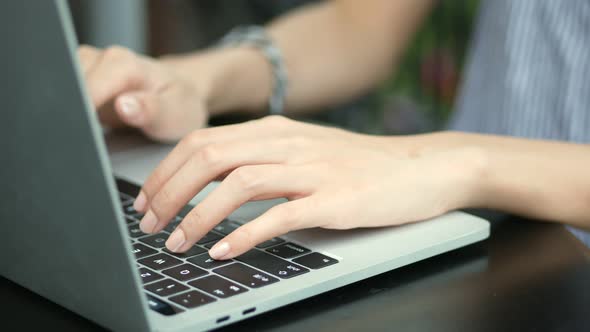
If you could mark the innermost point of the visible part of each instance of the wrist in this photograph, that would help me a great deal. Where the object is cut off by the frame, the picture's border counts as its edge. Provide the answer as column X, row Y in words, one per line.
column 464, row 172
column 458, row 164
column 415, row 146
column 229, row 80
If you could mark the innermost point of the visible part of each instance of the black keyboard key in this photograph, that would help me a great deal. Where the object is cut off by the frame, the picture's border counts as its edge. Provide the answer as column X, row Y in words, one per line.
column 205, row 261
column 185, row 210
column 160, row 261
column 245, row 275
column 128, row 208
column 162, row 307
column 173, row 224
column 271, row 264
column 130, row 219
column 185, row 272
column 130, row 211
column 124, row 198
column 141, row 251
column 315, row 260
column 166, row 287
column 216, row 285
column 210, row 245
column 170, row 228
column 192, row 299
column 227, row 226
column 272, row 242
column 156, row 240
column 193, row 251
column 288, row 250
column 209, row 237
column 134, row 231
column 148, row 275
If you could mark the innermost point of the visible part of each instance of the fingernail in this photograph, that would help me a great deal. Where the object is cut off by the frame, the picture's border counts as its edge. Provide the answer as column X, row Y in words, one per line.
column 140, row 202
column 149, row 222
column 176, row 240
column 129, row 106
column 219, row 250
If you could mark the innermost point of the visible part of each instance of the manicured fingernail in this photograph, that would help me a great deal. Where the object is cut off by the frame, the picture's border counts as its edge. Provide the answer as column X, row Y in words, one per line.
column 176, row 240
column 149, row 222
column 219, row 250
column 140, row 202
column 129, row 106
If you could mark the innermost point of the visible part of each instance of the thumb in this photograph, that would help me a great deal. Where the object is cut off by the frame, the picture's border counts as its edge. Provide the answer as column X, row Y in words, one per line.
column 136, row 109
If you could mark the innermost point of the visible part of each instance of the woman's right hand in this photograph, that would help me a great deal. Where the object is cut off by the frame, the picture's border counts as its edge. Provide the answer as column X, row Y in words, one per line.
column 133, row 90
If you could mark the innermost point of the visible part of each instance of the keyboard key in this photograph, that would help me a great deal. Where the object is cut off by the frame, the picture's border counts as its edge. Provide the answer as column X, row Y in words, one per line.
column 185, row 272
column 245, row 275
column 124, row 198
column 156, row 240
column 216, row 285
column 140, row 250
column 173, row 224
column 288, row 250
column 160, row 261
column 162, row 307
column 209, row 237
column 185, row 210
column 148, row 275
column 271, row 264
column 166, row 287
column 134, row 231
column 227, row 226
column 130, row 211
column 130, row 219
column 128, row 208
column 315, row 260
column 210, row 245
column 192, row 299
column 205, row 261
column 193, row 251
column 170, row 228
column 270, row 243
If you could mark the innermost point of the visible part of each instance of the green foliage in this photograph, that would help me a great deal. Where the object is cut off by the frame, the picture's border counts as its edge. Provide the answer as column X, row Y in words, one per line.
column 428, row 77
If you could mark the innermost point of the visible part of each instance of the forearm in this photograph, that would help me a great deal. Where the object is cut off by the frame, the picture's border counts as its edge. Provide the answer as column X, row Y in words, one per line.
column 333, row 51
column 540, row 179
column 340, row 49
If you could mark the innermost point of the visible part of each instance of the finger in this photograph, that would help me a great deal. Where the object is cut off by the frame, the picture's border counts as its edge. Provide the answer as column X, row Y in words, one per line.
column 137, row 109
column 108, row 116
column 248, row 183
column 198, row 171
column 88, row 56
column 192, row 143
column 116, row 71
column 279, row 220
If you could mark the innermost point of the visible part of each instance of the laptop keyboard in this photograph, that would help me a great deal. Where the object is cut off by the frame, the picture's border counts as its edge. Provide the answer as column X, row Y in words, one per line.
column 177, row 282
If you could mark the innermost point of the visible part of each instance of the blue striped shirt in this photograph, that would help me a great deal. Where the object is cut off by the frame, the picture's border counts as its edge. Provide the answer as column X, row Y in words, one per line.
column 528, row 73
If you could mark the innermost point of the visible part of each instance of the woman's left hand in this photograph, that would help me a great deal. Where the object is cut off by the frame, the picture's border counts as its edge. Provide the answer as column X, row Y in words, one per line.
column 332, row 179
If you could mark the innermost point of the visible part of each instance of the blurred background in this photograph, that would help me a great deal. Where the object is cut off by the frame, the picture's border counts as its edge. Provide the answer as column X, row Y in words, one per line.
column 418, row 96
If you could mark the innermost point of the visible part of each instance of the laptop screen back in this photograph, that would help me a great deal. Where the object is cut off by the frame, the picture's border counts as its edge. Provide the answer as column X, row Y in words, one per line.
column 59, row 213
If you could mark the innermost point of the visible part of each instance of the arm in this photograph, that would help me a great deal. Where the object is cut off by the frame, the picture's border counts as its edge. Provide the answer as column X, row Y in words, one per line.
column 334, row 51
column 339, row 180
column 546, row 180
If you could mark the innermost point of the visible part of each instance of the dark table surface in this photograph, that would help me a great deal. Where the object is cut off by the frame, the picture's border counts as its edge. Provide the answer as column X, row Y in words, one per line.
column 529, row 276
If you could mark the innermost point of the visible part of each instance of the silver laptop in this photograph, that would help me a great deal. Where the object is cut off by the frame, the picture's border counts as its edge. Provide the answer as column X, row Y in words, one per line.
column 69, row 232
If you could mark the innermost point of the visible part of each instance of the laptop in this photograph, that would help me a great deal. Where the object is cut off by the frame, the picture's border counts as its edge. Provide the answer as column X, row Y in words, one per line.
column 70, row 233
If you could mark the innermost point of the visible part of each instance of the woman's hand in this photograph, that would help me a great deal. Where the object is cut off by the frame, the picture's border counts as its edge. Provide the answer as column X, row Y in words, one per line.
column 137, row 91
column 332, row 178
